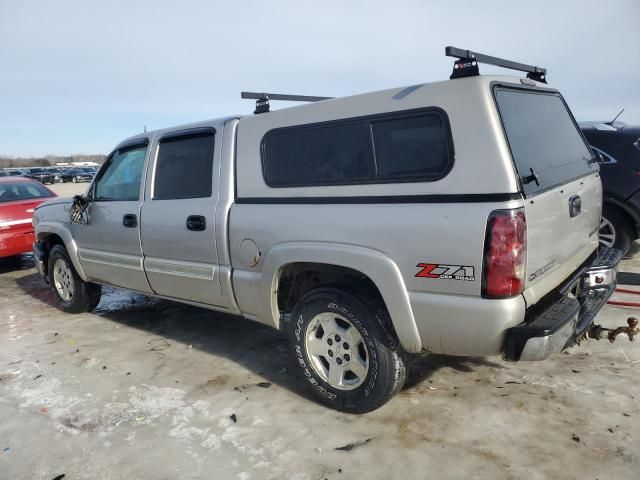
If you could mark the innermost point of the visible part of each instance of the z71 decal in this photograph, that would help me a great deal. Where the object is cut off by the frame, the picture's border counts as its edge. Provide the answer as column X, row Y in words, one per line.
column 446, row 272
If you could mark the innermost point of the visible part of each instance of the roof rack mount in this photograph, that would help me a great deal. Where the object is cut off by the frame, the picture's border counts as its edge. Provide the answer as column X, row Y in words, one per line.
column 467, row 64
column 262, row 99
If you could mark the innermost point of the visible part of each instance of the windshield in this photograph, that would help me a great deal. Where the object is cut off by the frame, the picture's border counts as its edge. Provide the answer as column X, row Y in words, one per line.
column 11, row 192
column 543, row 138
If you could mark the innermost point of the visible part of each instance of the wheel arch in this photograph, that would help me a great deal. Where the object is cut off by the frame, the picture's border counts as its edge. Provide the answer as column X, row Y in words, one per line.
column 52, row 233
column 632, row 217
column 374, row 267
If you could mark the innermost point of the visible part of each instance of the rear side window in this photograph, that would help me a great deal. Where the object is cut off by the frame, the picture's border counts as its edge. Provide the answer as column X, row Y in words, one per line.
column 413, row 147
column 184, row 168
column 318, row 155
column 543, row 138
column 401, row 147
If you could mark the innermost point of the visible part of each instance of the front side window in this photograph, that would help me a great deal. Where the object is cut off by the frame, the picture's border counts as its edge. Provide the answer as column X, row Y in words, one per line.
column 120, row 178
column 399, row 147
column 184, row 168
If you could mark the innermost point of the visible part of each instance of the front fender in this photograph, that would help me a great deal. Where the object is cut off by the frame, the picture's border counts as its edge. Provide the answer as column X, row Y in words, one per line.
column 380, row 269
column 46, row 228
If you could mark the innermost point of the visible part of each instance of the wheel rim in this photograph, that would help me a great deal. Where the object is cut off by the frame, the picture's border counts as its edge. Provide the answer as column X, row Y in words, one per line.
column 607, row 233
column 63, row 279
column 337, row 351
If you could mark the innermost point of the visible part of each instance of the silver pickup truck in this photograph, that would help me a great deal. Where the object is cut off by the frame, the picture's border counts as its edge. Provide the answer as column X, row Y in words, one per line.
column 459, row 217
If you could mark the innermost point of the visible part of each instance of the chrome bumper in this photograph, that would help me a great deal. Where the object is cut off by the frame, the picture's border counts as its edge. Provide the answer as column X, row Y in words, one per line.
column 566, row 314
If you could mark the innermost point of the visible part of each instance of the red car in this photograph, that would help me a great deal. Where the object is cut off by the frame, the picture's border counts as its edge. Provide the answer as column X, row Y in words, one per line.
column 18, row 197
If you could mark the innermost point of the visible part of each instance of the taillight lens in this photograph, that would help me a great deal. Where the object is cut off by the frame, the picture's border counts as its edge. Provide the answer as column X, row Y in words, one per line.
column 505, row 251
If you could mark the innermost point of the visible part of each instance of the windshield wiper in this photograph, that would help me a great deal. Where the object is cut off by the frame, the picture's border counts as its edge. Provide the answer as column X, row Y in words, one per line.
column 527, row 179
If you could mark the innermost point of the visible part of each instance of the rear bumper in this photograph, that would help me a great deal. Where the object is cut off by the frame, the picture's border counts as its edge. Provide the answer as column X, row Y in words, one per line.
column 564, row 318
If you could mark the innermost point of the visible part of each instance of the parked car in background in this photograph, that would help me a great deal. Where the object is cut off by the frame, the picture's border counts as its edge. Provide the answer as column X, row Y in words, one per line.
column 77, row 175
column 18, row 198
column 15, row 173
column 56, row 172
column 617, row 147
column 40, row 174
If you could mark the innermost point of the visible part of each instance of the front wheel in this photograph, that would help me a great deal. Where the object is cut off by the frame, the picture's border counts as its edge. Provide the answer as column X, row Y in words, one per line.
column 343, row 347
column 74, row 294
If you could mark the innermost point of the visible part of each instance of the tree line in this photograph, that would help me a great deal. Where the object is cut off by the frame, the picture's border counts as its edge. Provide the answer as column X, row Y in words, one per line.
column 47, row 161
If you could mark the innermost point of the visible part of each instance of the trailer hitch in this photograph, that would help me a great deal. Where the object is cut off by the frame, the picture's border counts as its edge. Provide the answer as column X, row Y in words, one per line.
column 598, row 331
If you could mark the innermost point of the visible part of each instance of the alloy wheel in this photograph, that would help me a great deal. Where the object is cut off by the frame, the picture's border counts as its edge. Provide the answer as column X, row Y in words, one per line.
column 63, row 279
column 337, row 351
column 607, row 233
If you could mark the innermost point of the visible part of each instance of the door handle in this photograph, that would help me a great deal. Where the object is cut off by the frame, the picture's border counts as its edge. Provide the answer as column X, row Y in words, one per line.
column 129, row 220
column 196, row 223
column 575, row 206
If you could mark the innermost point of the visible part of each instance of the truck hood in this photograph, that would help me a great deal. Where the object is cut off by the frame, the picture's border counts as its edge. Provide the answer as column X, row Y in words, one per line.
column 55, row 201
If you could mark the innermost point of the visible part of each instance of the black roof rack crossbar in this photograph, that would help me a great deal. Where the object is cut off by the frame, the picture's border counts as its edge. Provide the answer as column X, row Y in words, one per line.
column 262, row 99
column 467, row 64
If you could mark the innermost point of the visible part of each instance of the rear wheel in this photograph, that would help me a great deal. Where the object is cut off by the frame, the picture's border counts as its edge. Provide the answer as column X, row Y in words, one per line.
column 344, row 351
column 75, row 179
column 615, row 229
column 74, row 294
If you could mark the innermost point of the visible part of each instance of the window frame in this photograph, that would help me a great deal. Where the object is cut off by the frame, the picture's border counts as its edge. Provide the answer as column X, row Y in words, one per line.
column 368, row 120
column 131, row 145
column 178, row 135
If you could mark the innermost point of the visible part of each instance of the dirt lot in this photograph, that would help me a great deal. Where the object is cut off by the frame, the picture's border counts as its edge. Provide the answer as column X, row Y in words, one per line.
column 145, row 388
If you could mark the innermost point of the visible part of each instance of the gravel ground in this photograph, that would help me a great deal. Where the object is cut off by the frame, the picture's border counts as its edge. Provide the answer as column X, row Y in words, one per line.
column 146, row 388
column 68, row 189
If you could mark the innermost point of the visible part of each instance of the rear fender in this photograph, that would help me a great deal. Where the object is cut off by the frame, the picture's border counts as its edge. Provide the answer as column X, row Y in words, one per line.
column 382, row 271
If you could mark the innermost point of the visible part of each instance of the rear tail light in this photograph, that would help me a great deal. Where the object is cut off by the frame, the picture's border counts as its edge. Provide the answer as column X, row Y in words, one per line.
column 505, row 251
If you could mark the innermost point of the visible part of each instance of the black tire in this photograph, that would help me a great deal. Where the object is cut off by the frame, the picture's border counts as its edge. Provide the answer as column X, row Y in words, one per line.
column 386, row 372
column 85, row 296
column 75, row 180
column 623, row 229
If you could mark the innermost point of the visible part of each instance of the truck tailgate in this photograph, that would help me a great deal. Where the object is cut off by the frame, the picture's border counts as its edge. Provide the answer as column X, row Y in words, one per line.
column 560, row 181
column 558, row 243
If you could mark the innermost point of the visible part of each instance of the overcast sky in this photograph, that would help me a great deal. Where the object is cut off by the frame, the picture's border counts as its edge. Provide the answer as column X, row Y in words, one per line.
column 78, row 76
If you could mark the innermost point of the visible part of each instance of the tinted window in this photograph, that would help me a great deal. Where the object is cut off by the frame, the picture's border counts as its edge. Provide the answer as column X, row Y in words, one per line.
column 120, row 178
column 184, row 168
column 543, row 136
column 403, row 147
column 11, row 192
column 318, row 155
column 411, row 147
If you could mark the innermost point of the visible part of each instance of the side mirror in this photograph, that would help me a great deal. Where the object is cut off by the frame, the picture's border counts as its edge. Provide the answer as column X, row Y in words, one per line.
column 78, row 212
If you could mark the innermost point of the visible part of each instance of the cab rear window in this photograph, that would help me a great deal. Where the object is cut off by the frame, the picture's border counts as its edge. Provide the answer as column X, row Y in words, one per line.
column 546, row 144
